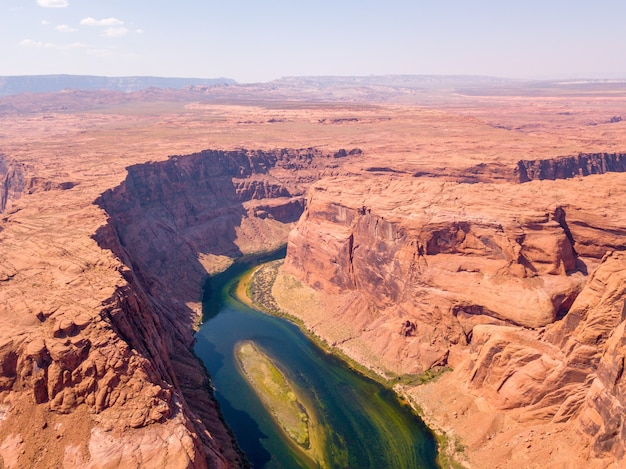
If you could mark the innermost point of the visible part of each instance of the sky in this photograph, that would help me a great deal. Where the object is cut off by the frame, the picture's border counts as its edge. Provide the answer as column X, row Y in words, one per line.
column 261, row 40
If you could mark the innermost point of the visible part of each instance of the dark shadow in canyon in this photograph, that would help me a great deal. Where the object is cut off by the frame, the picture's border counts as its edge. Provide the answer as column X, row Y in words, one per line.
column 253, row 435
column 166, row 216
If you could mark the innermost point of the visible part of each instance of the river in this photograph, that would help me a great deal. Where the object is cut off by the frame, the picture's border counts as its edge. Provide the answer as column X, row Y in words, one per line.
column 363, row 424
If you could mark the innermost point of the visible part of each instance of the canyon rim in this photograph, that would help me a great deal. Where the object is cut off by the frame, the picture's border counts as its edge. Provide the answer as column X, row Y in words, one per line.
column 430, row 223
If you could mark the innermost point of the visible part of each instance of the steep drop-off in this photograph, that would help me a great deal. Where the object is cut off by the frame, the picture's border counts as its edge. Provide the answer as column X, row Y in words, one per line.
column 86, row 378
column 514, row 285
column 169, row 222
column 563, row 167
column 15, row 181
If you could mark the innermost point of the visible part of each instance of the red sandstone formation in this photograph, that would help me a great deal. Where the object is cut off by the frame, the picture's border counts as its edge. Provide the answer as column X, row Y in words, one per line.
column 519, row 287
column 199, row 205
column 485, row 272
column 129, row 361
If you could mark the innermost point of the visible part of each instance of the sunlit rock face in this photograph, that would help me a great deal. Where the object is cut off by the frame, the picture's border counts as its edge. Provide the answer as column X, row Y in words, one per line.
column 121, row 349
column 163, row 219
column 516, row 285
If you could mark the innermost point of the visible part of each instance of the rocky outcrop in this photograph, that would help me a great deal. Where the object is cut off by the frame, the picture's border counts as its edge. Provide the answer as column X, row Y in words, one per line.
column 485, row 257
column 115, row 366
column 168, row 216
column 570, row 370
column 12, row 182
column 565, row 167
column 102, row 364
column 164, row 220
column 561, row 167
column 600, row 322
column 15, row 181
column 85, row 377
column 517, row 286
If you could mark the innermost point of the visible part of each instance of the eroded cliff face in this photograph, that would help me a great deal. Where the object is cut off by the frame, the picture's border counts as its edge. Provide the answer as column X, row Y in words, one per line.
column 110, row 377
column 171, row 221
column 516, row 286
column 11, row 182
column 66, row 303
column 85, row 379
column 15, row 181
column 565, row 167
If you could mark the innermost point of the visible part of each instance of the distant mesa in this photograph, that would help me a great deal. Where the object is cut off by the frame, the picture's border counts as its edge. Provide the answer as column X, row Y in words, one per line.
column 10, row 85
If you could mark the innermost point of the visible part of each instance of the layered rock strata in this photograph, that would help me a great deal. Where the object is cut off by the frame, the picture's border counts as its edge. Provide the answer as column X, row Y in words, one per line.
column 110, row 376
column 516, row 286
column 168, row 217
column 16, row 181
column 563, row 167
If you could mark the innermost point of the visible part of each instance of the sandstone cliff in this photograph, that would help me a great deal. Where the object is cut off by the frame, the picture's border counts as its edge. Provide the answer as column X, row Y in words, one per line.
column 564, row 167
column 583, row 164
column 85, row 380
column 168, row 217
column 15, row 181
column 60, row 288
column 117, row 357
column 513, row 285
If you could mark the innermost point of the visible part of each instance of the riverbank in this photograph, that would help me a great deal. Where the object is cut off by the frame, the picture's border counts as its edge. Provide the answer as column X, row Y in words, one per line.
column 256, row 290
column 359, row 422
column 470, row 432
column 268, row 289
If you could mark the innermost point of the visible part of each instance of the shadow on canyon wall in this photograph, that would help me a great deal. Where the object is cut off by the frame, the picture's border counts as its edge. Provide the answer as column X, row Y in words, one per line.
column 168, row 216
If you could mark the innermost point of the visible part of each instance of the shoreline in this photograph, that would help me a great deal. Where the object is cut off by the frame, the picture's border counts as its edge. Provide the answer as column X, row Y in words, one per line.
column 313, row 449
column 447, row 444
column 243, row 294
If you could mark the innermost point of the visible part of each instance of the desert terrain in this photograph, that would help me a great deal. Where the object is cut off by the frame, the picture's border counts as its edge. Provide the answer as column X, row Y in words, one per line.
column 467, row 224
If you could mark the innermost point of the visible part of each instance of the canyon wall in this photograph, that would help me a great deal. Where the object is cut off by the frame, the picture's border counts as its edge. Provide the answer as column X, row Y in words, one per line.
column 95, row 369
column 519, row 287
column 96, row 358
column 563, row 167
column 171, row 221
column 12, row 182
column 516, row 286
column 15, row 181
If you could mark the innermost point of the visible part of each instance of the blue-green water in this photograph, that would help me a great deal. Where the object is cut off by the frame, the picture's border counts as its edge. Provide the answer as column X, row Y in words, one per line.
column 365, row 425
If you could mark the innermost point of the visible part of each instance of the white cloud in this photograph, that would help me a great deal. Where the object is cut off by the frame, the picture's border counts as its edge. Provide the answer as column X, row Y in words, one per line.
column 35, row 44
column 139, row 31
column 65, row 29
column 115, row 32
column 48, row 45
column 53, row 3
column 89, row 21
column 45, row 22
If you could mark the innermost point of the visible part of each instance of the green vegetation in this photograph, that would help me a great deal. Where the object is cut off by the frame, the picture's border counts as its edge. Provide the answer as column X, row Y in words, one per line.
column 432, row 374
column 449, row 451
column 275, row 392
column 257, row 287
column 258, row 290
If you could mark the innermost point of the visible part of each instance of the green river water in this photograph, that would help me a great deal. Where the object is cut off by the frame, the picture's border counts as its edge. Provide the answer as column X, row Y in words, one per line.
column 364, row 425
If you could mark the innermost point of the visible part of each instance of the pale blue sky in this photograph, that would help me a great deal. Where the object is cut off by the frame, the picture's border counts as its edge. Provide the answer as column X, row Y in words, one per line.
column 262, row 40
